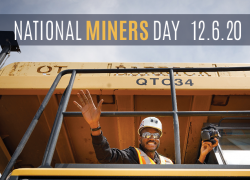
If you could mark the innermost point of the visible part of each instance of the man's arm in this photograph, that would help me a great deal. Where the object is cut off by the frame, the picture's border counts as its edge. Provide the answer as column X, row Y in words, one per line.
column 206, row 147
column 104, row 153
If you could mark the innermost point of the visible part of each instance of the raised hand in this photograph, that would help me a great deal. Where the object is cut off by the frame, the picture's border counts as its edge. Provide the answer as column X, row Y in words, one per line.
column 206, row 147
column 90, row 113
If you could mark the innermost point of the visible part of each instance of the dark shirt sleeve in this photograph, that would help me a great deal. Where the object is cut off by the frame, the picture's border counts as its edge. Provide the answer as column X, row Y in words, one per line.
column 107, row 155
column 198, row 162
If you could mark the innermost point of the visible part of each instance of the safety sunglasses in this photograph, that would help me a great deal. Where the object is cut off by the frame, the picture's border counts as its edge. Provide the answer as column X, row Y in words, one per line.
column 148, row 135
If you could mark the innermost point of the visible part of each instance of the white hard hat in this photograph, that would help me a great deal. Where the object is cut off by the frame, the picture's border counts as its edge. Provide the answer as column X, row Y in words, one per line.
column 152, row 122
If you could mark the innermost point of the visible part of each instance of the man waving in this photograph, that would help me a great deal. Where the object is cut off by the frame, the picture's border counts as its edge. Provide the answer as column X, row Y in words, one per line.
column 150, row 131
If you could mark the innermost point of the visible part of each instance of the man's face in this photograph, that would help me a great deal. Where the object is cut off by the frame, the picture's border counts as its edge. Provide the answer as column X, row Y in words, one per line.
column 149, row 144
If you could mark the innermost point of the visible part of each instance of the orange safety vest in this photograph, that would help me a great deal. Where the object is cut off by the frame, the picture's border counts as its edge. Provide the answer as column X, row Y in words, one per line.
column 144, row 159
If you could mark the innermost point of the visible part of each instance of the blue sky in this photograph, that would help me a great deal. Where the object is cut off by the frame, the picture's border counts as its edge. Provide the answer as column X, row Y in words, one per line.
column 196, row 54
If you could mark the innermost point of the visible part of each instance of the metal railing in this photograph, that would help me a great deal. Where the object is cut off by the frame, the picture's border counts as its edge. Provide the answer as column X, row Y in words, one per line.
column 66, row 95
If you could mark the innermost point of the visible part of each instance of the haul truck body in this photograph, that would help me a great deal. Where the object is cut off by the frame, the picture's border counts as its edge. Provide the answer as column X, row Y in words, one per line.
column 24, row 85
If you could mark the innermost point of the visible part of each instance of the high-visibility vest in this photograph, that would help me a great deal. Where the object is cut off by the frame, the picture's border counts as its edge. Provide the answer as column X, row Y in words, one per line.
column 144, row 159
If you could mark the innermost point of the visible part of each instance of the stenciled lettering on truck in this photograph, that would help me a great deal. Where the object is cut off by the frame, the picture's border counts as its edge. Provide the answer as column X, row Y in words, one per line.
column 166, row 82
column 141, row 81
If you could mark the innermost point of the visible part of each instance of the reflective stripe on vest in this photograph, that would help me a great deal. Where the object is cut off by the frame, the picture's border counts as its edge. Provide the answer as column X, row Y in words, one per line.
column 144, row 159
column 163, row 161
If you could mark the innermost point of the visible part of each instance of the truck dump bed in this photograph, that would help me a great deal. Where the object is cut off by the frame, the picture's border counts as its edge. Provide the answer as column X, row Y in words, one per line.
column 25, row 84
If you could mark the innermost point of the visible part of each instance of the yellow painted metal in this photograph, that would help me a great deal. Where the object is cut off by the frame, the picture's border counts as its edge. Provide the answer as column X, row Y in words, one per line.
column 4, row 155
column 132, row 172
column 53, row 68
column 4, row 149
column 194, row 124
column 121, row 83
column 63, row 147
column 23, row 86
column 47, row 68
column 36, row 78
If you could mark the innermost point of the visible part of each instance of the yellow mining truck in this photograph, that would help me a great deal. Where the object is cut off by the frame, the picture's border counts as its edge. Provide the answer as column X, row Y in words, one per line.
column 43, row 136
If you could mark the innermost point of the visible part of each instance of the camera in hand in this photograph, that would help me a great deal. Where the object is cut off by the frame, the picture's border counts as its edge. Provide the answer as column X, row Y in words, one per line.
column 208, row 133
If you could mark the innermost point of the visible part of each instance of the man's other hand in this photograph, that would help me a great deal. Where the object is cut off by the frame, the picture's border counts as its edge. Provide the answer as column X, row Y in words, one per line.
column 206, row 147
